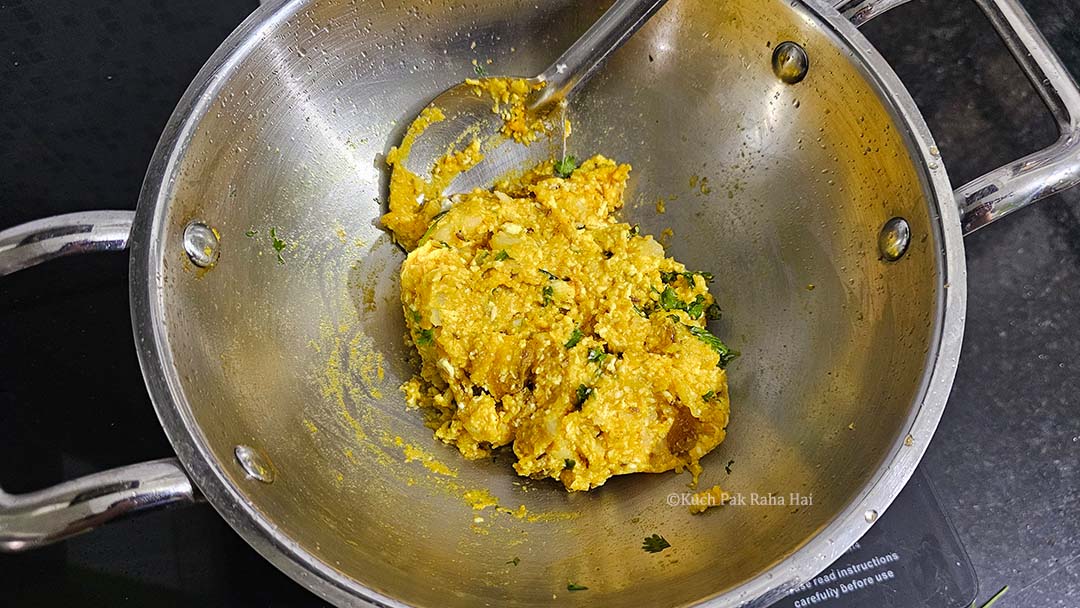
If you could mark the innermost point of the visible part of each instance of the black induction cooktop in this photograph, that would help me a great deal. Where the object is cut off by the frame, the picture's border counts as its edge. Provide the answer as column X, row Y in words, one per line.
column 85, row 89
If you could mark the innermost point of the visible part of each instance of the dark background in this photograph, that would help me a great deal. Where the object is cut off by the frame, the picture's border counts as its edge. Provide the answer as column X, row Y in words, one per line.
column 86, row 87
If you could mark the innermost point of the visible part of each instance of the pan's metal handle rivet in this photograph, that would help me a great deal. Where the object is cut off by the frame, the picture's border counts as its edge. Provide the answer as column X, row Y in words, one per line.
column 201, row 244
column 870, row 516
column 790, row 62
column 254, row 464
column 894, row 239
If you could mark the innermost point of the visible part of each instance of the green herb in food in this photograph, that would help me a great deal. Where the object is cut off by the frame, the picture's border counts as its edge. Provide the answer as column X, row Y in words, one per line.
column 569, row 464
column 502, row 255
column 574, row 587
column 566, row 166
column 583, row 394
column 712, row 312
column 696, row 308
column 597, row 356
column 575, row 337
column 669, row 300
column 670, row 276
column 548, row 293
column 425, row 337
column 431, row 227
column 727, row 355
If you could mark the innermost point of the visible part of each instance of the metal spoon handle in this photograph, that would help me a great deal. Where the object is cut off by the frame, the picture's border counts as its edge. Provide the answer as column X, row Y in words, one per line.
column 580, row 61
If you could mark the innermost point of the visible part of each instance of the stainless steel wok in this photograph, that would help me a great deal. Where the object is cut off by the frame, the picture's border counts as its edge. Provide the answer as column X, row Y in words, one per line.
column 822, row 207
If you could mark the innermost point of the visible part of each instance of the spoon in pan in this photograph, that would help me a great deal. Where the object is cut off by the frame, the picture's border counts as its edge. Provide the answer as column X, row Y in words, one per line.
column 468, row 113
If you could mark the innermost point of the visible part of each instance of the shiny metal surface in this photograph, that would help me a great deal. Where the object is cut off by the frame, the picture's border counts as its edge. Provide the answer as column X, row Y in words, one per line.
column 35, row 242
column 894, row 239
column 253, row 463
column 585, row 56
column 773, row 188
column 29, row 521
column 861, row 11
column 1047, row 171
column 790, row 62
column 201, row 244
column 1035, row 176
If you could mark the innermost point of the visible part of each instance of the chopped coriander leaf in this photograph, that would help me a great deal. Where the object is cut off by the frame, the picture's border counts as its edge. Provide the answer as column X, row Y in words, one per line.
column 726, row 354
column 670, row 301
column 583, row 394
column 569, row 464
column 431, row 227
column 502, row 255
column 597, row 355
column 548, row 293
column 727, row 467
column 514, row 561
column 645, row 310
column 481, row 72
column 425, row 337
column 250, row 233
column 572, row 587
column 713, row 312
column 415, row 314
column 575, row 337
column 563, row 168
column 709, row 396
column 278, row 244
column 696, row 308
column 670, row 276
column 655, row 544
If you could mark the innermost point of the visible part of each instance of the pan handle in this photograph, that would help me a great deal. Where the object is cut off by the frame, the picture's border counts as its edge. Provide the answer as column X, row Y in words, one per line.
column 42, row 240
column 1035, row 176
column 46, row 516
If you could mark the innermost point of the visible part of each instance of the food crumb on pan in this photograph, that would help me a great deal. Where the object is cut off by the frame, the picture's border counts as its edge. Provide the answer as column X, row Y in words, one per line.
column 707, row 499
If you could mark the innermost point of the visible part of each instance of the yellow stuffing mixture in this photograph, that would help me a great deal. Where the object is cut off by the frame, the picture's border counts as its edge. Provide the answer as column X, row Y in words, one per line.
column 544, row 323
column 509, row 97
